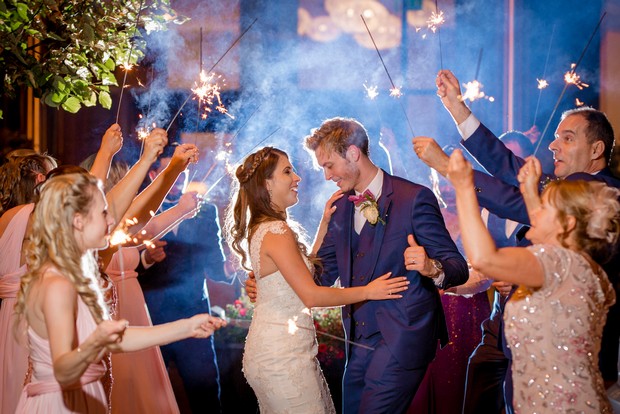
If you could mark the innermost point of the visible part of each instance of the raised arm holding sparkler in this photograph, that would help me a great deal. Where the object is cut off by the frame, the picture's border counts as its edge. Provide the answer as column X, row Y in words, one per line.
column 122, row 195
column 151, row 197
column 582, row 148
column 559, row 271
column 68, row 323
column 111, row 143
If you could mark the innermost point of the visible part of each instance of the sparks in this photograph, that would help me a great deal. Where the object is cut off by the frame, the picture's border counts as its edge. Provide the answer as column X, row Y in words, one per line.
column 395, row 92
column 542, row 83
column 292, row 326
column 142, row 134
column 436, row 20
column 208, row 93
column 119, row 237
column 371, row 91
column 572, row 77
column 473, row 91
column 578, row 102
column 222, row 155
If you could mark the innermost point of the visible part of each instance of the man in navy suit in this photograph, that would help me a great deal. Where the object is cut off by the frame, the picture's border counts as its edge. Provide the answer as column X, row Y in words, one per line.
column 581, row 150
column 398, row 338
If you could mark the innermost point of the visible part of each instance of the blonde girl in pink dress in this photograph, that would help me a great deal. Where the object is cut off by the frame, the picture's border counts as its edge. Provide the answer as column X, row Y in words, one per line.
column 61, row 307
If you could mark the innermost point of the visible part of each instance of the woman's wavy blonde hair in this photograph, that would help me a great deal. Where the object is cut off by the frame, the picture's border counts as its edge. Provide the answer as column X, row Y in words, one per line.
column 51, row 241
column 597, row 211
column 251, row 204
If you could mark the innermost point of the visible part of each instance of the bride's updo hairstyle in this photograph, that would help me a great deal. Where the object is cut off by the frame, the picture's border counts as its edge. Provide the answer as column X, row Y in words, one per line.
column 597, row 211
column 51, row 240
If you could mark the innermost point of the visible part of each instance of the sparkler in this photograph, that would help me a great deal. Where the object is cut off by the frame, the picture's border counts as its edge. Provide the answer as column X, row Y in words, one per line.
column 212, row 67
column 542, row 83
column 239, row 160
column 208, row 92
column 128, row 65
column 433, row 23
column 290, row 325
column 473, row 91
column 222, row 155
column 371, row 91
column 200, row 74
column 572, row 77
column 573, row 70
column 394, row 91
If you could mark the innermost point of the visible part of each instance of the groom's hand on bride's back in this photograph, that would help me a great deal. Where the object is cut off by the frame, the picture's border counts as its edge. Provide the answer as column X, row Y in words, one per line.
column 250, row 287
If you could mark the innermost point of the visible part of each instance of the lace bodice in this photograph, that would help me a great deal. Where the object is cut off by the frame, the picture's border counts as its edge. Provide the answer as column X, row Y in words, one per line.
column 280, row 353
column 555, row 336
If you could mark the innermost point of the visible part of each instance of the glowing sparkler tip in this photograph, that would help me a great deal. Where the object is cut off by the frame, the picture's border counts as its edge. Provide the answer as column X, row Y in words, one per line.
column 473, row 91
column 371, row 91
column 395, row 92
column 292, row 326
column 436, row 20
column 119, row 237
column 572, row 77
column 221, row 155
column 542, row 83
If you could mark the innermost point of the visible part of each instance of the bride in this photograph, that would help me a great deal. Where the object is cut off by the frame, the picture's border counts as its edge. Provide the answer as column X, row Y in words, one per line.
column 280, row 353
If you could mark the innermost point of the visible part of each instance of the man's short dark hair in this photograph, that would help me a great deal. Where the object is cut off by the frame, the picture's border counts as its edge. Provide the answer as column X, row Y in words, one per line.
column 599, row 128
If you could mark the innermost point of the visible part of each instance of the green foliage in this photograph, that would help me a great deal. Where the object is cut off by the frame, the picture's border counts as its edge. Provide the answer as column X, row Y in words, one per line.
column 67, row 50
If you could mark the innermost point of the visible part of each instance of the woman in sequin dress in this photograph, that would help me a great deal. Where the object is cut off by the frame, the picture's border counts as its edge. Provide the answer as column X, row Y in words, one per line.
column 554, row 321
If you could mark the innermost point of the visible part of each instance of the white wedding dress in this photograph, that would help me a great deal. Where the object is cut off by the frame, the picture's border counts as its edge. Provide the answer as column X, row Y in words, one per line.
column 279, row 361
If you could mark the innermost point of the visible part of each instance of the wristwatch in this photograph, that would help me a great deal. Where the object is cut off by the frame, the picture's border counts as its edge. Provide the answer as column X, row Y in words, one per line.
column 438, row 267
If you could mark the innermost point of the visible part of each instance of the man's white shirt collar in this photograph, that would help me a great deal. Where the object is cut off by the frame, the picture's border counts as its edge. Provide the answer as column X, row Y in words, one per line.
column 375, row 187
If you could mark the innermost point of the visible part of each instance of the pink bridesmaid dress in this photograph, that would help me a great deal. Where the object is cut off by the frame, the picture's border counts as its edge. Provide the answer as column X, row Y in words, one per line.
column 43, row 393
column 13, row 355
column 141, row 383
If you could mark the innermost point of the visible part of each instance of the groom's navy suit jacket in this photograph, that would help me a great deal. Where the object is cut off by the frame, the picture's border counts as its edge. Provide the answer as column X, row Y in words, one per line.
column 411, row 325
column 500, row 194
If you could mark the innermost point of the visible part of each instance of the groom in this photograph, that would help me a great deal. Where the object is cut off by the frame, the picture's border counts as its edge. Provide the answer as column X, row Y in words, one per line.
column 398, row 337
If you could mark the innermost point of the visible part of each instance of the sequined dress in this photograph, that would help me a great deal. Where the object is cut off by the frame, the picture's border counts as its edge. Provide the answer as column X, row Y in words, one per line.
column 555, row 333
column 279, row 361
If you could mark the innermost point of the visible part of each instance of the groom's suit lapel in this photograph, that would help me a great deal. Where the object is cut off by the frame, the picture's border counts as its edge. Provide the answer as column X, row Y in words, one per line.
column 346, row 246
column 384, row 203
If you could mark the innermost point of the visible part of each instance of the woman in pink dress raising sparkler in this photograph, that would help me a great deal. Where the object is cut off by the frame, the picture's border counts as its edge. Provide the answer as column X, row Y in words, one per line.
column 280, row 352
column 68, row 325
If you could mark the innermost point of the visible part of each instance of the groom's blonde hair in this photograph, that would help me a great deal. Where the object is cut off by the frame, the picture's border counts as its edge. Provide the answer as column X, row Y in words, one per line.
column 337, row 135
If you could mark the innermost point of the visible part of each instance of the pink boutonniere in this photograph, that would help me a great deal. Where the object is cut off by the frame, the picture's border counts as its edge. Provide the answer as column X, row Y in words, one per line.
column 368, row 207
